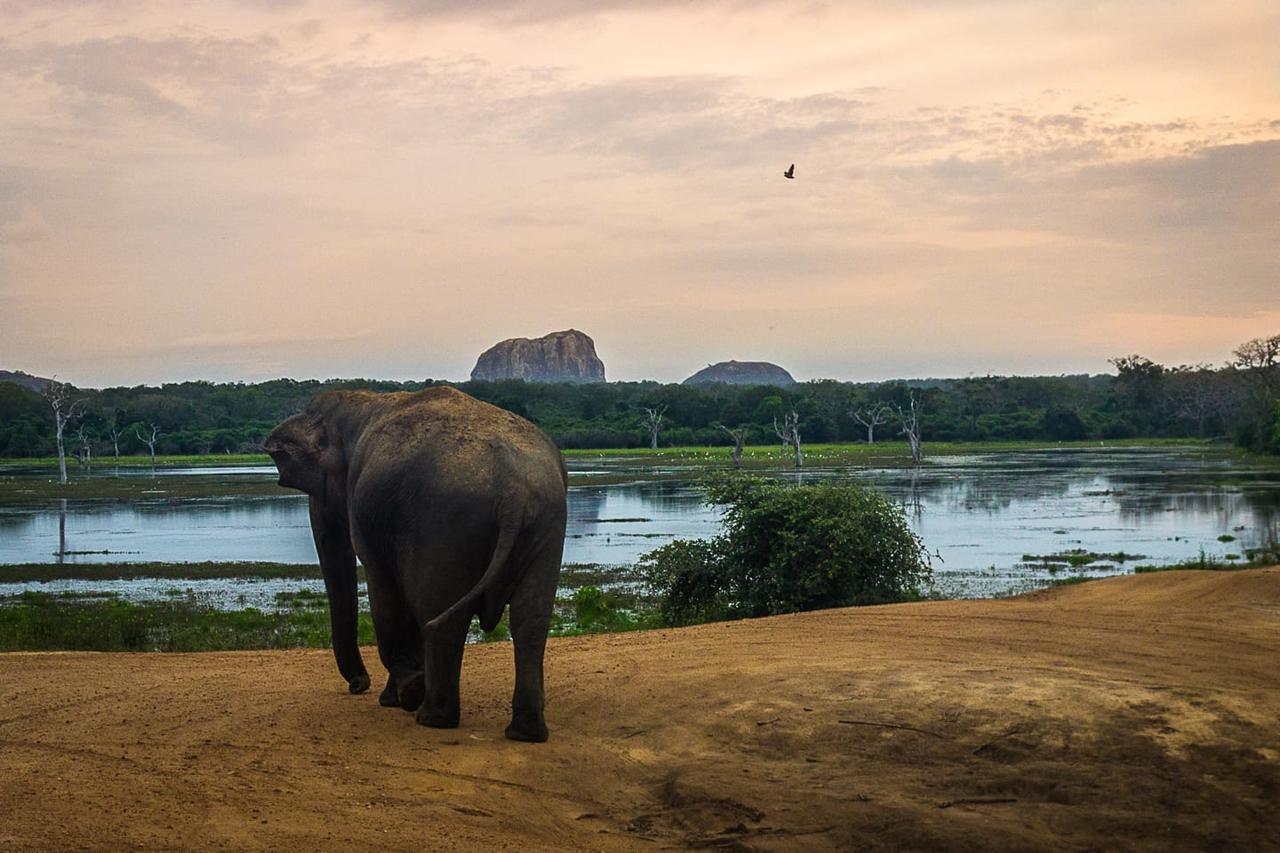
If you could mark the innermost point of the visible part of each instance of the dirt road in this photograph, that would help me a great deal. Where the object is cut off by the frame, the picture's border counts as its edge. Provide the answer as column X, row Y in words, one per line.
column 1132, row 713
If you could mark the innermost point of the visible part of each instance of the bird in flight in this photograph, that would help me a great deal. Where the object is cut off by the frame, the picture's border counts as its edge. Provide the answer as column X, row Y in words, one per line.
column 791, row 172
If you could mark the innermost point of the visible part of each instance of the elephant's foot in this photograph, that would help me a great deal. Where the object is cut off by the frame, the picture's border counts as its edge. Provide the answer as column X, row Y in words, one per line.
column 403, row 693
column 359, row 684
column 438, row 718
column 411, row 693
column 528, row 728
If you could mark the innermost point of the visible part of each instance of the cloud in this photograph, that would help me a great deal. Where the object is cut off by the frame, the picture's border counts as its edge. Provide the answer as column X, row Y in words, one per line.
column 203, row 178
column 28, row 226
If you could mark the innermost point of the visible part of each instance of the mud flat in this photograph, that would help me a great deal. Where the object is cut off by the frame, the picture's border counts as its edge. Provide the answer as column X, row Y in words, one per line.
column 1138, row 712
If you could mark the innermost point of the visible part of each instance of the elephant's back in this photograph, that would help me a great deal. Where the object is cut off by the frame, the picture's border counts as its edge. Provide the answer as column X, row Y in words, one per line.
column 456, row 442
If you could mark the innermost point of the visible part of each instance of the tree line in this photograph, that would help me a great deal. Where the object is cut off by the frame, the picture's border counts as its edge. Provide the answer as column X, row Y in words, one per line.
column 1238, row 400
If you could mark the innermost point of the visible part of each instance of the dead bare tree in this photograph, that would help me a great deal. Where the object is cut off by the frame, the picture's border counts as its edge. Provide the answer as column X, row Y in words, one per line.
column 149, row 442
column 85, row 451
column 113, row 431
column 739, row 437
column 653, row 422
column 910, row 419
column 789, row 432
column 58, row 396
column 871, row 417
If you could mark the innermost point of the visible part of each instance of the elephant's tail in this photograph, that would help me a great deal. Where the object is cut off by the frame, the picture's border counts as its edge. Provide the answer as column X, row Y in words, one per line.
column 508, row 531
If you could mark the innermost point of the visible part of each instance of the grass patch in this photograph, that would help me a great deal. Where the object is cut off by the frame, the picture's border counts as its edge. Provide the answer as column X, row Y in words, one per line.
column 1073, row 580
column 1077, row 557
column 39, row 621
column 1254, row 558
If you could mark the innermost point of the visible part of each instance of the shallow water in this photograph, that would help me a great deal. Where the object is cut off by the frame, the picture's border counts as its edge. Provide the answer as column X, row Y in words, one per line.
column 980, row 514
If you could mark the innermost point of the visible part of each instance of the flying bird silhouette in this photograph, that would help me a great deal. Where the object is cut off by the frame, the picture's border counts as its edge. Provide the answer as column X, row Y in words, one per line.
column 791, row 172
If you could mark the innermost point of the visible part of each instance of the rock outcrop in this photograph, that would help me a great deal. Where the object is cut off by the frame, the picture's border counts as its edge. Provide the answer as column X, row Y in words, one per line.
column 26, row 380
column 741, row 373
column 568, row 356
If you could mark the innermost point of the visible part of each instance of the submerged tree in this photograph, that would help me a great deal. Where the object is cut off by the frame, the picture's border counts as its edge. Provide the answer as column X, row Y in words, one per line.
column 871, row 417
column 84, row 452
column 58, row 396
column 114, row 432
column 739, row 437
column 149, row 442
column 910, row 418
column 652, row 421
column 789, row 432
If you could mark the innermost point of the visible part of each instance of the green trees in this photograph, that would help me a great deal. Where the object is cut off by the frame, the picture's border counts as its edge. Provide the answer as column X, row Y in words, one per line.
column 787, row 549
column 1145, row 399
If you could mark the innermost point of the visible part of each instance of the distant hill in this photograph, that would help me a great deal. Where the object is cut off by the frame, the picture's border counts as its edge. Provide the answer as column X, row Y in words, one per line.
column 26, row 380
column 741, row 373
column 568, row 356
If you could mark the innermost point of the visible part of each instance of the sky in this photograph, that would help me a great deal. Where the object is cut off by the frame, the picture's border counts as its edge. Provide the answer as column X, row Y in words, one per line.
column 306, row 188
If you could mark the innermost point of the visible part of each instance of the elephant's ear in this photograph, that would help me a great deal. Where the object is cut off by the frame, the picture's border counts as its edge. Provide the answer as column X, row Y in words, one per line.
column 300, row 448
column 302, row 436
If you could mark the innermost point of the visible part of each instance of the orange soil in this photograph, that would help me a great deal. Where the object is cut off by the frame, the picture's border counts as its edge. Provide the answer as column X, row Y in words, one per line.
column 1132, row 713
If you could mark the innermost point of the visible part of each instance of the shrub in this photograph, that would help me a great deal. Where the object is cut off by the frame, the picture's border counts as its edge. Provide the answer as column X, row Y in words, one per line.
column 787, row 549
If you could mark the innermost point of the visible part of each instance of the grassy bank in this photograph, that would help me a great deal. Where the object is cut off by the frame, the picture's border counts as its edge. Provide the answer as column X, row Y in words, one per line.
column 105, row 622
column 40, row 621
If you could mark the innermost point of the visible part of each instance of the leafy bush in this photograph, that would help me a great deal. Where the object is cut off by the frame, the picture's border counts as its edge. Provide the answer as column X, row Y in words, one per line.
column 787, row 549
column 596, row 611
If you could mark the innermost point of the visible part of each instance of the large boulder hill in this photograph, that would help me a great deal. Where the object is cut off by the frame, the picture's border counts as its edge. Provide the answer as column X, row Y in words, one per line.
column 741, row 373
column 568, row 356
column 26, row 380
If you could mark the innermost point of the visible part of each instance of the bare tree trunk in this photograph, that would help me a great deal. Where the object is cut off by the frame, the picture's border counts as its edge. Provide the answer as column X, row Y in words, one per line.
column 62, row 529
column 739, row 436
column 911, row 429
column 59, row 424
column 871, row 417
column 789, row 432
column 150, row 442
column 85, row 450
column 57, row 395
column 652, row 421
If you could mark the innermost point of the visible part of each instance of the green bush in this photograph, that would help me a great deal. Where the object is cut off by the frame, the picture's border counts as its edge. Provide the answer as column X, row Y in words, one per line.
column 787, row 549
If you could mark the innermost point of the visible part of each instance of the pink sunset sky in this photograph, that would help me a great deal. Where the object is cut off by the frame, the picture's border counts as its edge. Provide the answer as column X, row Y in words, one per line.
column 246, row 190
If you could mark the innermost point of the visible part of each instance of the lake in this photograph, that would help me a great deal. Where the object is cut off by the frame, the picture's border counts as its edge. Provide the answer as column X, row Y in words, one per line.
column 984, row 515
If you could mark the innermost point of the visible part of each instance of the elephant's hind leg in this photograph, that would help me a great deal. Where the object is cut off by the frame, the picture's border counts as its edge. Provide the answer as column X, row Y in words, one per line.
column 399, row 641
column 531, row 607
column 442, row 668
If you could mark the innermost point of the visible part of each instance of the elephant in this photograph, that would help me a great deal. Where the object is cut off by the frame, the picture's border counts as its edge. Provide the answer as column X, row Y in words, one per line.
column 455, row 508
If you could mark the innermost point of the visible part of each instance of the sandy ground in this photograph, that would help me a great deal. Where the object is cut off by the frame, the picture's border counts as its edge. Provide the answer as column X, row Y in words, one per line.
column 1132, row 713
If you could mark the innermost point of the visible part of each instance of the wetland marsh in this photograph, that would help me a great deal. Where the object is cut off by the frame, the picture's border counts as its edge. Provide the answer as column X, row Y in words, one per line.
column 998, row 523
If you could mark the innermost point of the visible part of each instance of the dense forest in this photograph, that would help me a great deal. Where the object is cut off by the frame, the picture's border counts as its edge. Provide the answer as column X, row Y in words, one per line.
column 1239, row 401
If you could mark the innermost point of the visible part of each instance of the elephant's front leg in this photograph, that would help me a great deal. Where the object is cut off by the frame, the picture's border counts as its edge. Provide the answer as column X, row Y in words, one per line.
column 338, row 565
column 399, row 640
column 442, row 668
